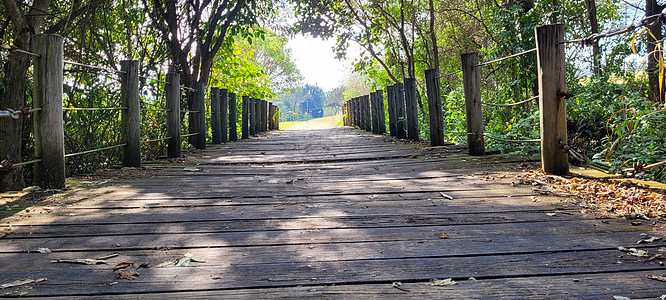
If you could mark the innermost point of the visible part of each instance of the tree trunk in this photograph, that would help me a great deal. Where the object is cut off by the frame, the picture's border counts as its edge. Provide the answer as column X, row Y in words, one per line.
column 594, row 27
column 14, row 97
column 655, row 53
column 433, row 35
column 11, row 131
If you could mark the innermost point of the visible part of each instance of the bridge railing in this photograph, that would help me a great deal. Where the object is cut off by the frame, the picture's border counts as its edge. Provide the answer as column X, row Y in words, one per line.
column 48, row 114
column 367, row 112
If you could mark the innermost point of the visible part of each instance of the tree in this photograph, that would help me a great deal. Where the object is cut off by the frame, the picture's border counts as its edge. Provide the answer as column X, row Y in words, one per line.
column 655, row 52
column 274, row 57
column 313, row 101
column 591, row 7
column 196, row 30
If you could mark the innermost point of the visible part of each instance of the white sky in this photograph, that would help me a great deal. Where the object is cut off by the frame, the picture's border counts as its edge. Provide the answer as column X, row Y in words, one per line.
column 316, row 61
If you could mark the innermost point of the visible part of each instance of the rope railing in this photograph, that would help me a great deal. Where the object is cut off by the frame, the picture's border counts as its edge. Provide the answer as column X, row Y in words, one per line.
column 648, row 21
column 94, row 150
column 188, row 88
column 15, row 114
column 12, row 49
column 189, row 134
column 506, row 57
column 93, row 108
column 511, row 141
column 50, row 79
column 158, row 140
column 157, row 80
column 8, row 165
column 158, row 110
column 449, row 74
column 94, row 67
column 509, row 104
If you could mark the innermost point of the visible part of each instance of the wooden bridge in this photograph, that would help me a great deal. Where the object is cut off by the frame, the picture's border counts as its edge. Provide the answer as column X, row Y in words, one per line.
column 320, row 213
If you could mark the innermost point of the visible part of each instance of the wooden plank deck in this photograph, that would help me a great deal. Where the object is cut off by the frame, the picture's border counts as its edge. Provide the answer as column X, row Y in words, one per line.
column 324, row 213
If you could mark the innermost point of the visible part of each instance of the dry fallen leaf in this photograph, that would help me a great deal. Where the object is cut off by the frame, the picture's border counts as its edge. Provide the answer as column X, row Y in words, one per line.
column 290, row 182
column 127, row 275
column 21, row 282
column 633, row 251
column 446, row 196
column 83, row 261
column 442, row 282
column 649, row 240
column 443, row 235
column 398, row 285
column 123, row 265
column 655, row 277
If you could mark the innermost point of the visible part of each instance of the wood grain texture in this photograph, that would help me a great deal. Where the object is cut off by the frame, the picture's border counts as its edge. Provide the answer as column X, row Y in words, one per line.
column 325, row 213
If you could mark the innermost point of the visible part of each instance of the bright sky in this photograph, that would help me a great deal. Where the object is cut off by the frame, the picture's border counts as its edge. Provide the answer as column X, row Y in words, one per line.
column 316, row 61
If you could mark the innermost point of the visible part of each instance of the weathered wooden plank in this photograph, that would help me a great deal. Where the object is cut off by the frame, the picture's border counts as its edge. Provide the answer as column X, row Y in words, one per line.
column 236, row 275
column 634, row 285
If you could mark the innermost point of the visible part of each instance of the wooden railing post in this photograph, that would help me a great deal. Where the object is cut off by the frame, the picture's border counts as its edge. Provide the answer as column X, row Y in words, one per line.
column 552, row 103
column 233, row 118
column 352, row 103
column 215, row 118
column 271, row 116
column 393, row 119
column 257, row 116
column 264, row 115
column 435, row 107
column 201, row 126
column 224, row 115
column 473, row 111
column 412, row 109
column 251, row 116
column 373, row 113
column 48, row 123
column 344, row 114
column 277, row 118
column 379, row 94
column 401, row 115
column 130, row 117
column 245, row 118
column 366, row 113
column 173, row 114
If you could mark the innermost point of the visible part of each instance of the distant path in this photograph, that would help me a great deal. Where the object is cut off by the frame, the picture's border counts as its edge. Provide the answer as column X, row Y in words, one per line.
column 327, row 212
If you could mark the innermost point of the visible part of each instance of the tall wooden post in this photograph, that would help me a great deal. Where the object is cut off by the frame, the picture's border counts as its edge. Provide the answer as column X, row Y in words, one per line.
column 344, row 114
column 411, row 109
column 233, row 117
column 271, row 116
column 379, row 94
column 48, row 123
column 552, row 104
column 473, row 110
column 130, row 117
column 257, row 116
column 251, row 116
column 172, row 88
column 367, row 115
column 373, row 112
column 277, row 118
column 393, row 119
column 435, row 107
column 245, row 118
column 352, row 105
column 224, row 115
column 201, row 126
column 264, row 115
column 215, row 118
column 400, row 110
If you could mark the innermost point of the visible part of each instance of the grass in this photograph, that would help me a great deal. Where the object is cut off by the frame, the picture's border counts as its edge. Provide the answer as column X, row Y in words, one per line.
column 337, row 119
